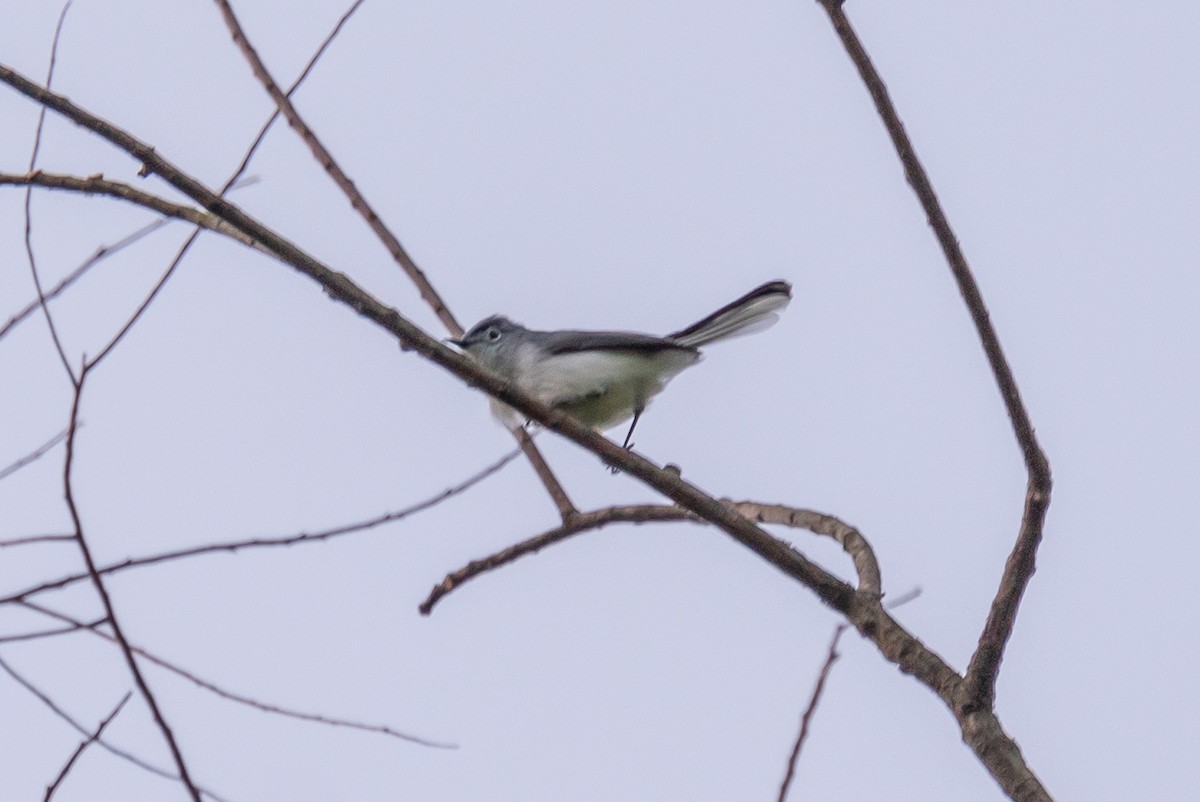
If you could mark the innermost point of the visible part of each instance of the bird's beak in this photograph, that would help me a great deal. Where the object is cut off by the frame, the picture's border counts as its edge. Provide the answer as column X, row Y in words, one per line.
column 454, row 341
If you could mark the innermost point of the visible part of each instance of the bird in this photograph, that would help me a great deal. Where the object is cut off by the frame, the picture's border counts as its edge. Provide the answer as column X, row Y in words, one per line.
column 604, row 378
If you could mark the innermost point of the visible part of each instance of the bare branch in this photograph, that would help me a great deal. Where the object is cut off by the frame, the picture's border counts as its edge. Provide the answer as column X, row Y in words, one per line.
column 817, row 523
column 236, row 697
column 75, row 725
column 806, row 719
column 33, row 456
column 271, row 542
column 91, row 739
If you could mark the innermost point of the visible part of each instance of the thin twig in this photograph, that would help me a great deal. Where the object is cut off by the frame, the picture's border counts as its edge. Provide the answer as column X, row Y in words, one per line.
column 237, row 698
column 106, row 600
column 806, row 719
column 37, row 144
column 74, row 626
column 75, row 725
column 554, row 488
column 29, row 540
column 102, row 253
column 272, row 542
column 33, row 456
column 91, row 739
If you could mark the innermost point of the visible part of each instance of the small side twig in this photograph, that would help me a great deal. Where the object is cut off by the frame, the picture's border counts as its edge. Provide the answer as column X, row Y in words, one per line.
column 33, row 456
column 29, row 540
column 806, row 719
column 84, row 744
column 554, row 488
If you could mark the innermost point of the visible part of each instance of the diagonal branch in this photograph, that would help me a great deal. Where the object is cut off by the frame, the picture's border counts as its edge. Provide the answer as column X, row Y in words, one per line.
column 339, row 287
column 863, row 611
column 980, row 688
column 566, row 509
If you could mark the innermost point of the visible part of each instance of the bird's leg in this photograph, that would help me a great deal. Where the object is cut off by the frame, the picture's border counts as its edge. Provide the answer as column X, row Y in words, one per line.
column 637, row 413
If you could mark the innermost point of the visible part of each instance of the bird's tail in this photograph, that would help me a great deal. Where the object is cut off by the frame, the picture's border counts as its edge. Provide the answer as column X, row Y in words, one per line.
column 754, row 311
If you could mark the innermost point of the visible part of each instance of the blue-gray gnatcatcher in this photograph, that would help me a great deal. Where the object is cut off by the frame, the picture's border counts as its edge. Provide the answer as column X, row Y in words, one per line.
column 603, row 378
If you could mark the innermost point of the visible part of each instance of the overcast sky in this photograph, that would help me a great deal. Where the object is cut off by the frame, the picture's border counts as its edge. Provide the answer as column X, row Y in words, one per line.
column 628, row 165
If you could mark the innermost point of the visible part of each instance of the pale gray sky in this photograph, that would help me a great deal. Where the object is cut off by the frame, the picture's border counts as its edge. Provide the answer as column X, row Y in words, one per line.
column 618, row 165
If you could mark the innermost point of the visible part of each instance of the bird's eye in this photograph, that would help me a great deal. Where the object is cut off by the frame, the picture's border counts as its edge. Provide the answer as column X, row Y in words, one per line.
column 492, row 335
